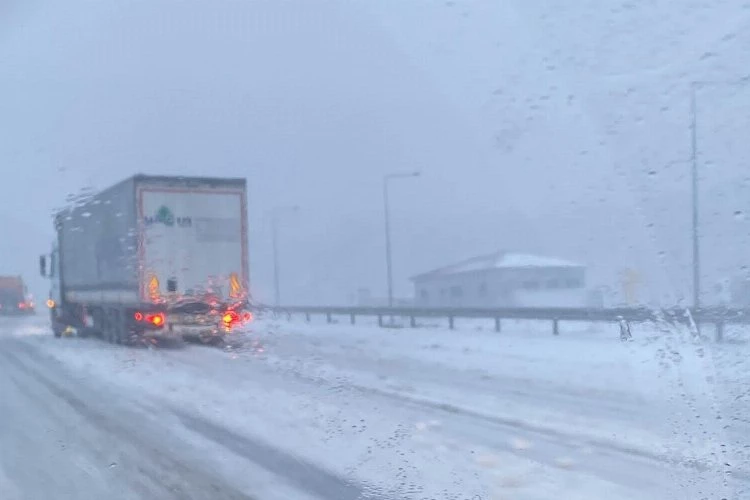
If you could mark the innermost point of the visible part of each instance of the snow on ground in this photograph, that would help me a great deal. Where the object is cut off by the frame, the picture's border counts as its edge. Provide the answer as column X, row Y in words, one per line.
column 659, row 395
column 522, row 375
column 435, row 413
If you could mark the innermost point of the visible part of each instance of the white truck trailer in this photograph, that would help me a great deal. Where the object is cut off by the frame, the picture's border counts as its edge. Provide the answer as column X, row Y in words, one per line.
column 152, row 256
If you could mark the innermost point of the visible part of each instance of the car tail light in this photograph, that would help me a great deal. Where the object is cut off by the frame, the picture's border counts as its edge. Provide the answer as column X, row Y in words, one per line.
column 22, row 305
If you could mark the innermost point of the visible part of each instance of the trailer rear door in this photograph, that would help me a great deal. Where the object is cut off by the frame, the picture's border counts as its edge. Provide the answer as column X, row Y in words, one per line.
column 193, row 240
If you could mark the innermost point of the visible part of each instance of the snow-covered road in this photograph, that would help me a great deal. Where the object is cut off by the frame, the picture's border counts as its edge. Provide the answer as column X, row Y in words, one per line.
column 342, row 412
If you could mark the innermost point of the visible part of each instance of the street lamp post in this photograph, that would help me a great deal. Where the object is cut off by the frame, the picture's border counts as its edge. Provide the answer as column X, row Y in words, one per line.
column 388, row 262
column 694, row 177
column 694, row 204
column 275, row 215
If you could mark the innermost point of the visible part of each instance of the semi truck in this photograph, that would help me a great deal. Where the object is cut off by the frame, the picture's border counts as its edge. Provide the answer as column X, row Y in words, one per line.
column 14, row 297
column 152, row 257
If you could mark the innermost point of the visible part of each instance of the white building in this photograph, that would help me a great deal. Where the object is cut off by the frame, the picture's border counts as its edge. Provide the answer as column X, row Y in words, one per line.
column 503, row 279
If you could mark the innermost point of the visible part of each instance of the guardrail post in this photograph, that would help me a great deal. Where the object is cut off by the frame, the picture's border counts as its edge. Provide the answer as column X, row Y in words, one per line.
column 450, row 322
column 497, row 324
column 555, row 327
column 380, row 320
column 329, row 318
column 719, row 331
column 413, row 321
column 307, row 317
column 351, row 318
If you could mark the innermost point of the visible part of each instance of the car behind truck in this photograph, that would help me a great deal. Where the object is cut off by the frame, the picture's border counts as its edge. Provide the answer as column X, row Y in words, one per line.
column 152, row 256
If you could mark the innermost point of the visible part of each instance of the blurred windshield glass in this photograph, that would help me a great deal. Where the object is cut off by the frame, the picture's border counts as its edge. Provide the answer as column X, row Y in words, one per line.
column 462, row 249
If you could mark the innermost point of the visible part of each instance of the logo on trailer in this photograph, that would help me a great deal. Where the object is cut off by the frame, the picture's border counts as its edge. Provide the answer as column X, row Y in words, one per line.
column 165, row 216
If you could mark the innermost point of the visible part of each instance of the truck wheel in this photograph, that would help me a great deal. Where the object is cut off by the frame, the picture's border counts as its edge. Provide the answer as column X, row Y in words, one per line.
column 129, row 339
column 57, row 329
column 113, row 327
column 106, row 328
column 119, row 330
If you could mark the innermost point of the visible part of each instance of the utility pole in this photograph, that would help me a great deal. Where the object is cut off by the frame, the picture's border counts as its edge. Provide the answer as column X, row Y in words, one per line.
column 388, row 259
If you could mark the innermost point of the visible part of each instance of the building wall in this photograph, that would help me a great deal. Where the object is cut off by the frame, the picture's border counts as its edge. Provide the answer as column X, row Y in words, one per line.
column 551, row 298
column 519, row 287
column 476, row 289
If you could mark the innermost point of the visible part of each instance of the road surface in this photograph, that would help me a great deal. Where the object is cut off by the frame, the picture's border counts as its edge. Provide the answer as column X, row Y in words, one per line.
column 280, row 419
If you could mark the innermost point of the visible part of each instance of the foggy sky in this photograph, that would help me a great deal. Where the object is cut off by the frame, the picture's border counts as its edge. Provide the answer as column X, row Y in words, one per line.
column 539, row 127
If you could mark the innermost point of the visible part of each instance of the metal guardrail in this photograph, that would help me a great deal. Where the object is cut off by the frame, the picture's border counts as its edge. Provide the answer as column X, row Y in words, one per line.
column 718, row 316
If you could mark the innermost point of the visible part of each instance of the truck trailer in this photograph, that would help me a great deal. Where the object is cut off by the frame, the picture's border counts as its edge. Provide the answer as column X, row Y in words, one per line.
column 152, row 257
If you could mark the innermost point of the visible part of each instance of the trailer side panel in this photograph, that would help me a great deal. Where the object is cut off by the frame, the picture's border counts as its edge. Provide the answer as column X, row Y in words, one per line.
column 98, row 243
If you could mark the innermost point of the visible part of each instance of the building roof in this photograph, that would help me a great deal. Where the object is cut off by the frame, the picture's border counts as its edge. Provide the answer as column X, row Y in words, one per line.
column 498, row 260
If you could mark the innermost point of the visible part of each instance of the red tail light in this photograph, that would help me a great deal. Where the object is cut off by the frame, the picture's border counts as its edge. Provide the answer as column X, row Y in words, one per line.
column 22, row 305
column 156, row 319
column 230, row 318
column 247, row 317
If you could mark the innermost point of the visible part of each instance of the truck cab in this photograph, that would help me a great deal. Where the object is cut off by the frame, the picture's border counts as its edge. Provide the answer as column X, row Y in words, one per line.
column 49, row 268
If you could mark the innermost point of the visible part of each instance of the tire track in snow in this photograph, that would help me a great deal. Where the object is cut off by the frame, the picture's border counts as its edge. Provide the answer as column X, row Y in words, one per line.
column 175, row 479
column 305, row 474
